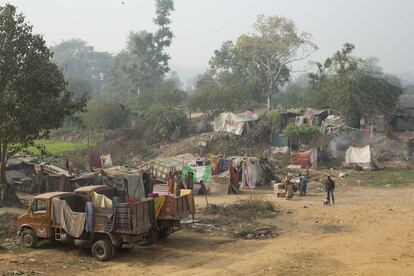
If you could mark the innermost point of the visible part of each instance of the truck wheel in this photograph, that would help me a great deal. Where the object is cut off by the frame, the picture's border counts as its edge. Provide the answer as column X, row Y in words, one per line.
column 28, row 238
column 152, row 237
column 163, row 234
column 103, row 250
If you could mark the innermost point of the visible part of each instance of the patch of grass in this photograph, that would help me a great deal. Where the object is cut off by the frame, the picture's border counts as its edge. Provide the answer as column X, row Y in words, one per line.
column 57, row 147
column 391, row 177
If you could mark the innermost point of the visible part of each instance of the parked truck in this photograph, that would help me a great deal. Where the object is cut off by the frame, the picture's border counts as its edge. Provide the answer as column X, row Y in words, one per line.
column 169, row 209
column 70, row 218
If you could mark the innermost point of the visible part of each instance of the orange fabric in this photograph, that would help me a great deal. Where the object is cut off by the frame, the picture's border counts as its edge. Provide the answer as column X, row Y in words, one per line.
column 302, row 158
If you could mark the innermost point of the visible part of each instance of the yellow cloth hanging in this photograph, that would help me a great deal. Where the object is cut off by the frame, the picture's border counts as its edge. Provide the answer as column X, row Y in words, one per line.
column 158, row 203
column 190, row 199
column 101, row 201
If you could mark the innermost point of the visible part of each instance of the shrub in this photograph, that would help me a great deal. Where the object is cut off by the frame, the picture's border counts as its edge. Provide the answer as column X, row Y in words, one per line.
column 105, row 114
column 165, row 121
column 303, row 134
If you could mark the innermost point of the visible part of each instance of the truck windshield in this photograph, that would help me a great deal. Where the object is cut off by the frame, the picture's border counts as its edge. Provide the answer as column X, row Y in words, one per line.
column 39, row 205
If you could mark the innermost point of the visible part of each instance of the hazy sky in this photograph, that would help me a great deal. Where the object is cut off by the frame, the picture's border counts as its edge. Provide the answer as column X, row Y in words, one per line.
column 380, row 28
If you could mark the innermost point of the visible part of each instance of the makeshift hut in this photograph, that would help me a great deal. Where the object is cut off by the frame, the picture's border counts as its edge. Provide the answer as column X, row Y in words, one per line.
column 289, row 116
column 365, row 157
column 238, row 124
column 315, row 117
column 403, row 119
column 161, row 166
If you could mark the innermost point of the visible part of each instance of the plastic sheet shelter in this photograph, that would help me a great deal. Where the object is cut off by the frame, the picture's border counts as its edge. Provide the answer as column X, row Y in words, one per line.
column 161, row 165
column 364, row 157
column 234, row 123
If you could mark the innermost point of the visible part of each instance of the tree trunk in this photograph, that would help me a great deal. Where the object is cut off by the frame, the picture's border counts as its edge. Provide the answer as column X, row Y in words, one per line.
column 269, row 95
column 8, row 195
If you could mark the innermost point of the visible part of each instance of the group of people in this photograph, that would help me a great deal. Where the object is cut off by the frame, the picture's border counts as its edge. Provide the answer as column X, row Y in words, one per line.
column 303, row 180
column 176, row 183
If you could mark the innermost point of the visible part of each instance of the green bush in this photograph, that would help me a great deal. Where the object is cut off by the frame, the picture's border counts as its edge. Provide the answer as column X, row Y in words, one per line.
column 165, row 121
column 303, row 134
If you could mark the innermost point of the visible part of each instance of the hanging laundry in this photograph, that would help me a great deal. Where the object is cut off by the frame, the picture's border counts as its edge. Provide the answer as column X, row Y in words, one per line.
column 101, row 201
column 89, row 217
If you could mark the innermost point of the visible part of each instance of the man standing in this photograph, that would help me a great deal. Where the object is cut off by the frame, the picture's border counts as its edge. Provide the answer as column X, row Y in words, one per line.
column 303, row 184
column 329, row 188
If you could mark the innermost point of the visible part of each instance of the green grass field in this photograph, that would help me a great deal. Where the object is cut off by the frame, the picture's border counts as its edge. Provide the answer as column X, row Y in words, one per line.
column 385, row 177
column 57, row 147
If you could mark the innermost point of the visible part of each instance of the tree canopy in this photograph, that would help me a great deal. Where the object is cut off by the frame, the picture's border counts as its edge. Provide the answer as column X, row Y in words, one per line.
column 272, row 49
column 228, row 91
column 85, row 69
column 353, row 87
column 33, row 94
column 262, row 60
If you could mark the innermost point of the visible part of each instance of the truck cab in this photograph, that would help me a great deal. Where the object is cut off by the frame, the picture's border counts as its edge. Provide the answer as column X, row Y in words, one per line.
column 36, row 223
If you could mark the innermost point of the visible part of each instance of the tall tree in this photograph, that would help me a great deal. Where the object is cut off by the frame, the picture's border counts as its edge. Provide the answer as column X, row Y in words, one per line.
column 273, row 48
column 264, row 59
column 147, row 61
column 353, row 86
column 229, row 59
column 33, row 94
column 163, row 37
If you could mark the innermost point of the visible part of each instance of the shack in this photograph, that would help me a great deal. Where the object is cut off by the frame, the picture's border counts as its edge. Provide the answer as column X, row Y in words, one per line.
column 238, row 124
column 403, row 119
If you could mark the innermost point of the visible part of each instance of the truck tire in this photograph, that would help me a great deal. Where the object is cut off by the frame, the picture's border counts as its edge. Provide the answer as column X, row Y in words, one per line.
column 103, row 250
column 28, row 238
column 152, row 238
column 163, row 234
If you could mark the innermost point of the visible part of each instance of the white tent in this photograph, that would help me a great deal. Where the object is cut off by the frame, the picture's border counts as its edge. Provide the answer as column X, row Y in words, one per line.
column 364, row 157
column 233, row 123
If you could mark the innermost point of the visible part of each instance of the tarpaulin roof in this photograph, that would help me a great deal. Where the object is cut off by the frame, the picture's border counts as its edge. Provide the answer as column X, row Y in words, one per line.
column 233, row 123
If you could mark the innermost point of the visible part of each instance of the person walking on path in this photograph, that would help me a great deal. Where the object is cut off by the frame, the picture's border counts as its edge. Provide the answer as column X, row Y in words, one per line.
column 329, row 188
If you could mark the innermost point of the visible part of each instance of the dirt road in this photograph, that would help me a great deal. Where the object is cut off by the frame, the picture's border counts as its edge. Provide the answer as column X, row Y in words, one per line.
column 368, row 232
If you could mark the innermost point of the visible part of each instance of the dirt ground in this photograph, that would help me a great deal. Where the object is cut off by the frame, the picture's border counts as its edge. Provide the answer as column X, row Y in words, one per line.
column 368, row 232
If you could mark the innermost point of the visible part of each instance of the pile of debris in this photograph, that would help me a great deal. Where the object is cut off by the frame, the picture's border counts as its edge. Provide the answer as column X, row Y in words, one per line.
column 243, row 219
column 333, row 125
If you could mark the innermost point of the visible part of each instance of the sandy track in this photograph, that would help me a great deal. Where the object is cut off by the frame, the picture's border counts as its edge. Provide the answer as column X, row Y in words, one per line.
column 369, row 232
